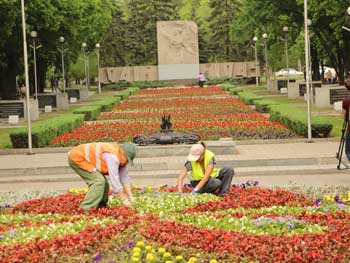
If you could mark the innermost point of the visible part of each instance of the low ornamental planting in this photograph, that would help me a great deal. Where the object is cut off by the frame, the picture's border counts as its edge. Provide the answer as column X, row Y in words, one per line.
column 212, row 116
column 250, row 224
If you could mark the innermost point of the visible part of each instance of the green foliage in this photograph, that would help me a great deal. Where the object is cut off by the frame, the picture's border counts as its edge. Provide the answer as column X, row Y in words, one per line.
column 113, row 46
column 220, row 25
column 44, row 131
column 264, row 105
column 140, row 84
column 90, row 112
column 141, row 32
column 296, row 119
column 107, row 103
column 248, row 97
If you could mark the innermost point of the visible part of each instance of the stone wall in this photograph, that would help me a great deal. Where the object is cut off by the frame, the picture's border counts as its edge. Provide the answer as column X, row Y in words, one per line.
column 149, row 73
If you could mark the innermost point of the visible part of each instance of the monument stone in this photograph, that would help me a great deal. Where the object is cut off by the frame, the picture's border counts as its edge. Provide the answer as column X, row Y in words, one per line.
column 178, row 56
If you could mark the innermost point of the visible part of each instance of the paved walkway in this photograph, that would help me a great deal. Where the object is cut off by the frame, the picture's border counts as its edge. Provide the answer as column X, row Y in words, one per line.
column 245, row 152
column 318, row 149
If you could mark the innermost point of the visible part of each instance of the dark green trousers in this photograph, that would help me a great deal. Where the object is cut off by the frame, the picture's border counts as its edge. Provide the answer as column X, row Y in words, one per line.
column 97, row 195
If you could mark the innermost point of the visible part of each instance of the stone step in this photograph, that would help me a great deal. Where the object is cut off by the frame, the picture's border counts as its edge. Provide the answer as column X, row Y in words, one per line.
column 218, row 147
column 154, row 175
column 173, row 163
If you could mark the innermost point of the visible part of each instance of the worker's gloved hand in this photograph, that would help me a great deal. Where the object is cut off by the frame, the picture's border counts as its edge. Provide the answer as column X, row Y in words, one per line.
column 125, row 200
column 132, row 199
column 194, row 191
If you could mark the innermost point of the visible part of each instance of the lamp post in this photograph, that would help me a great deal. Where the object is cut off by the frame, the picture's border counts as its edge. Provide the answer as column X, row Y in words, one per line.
column 307, row 69
column 267, row 65
column 25, row 56
column 98, row 67
column 61, row 39
column 285, row 30
column 34, row 35
column 85, row 66
column 255, row 39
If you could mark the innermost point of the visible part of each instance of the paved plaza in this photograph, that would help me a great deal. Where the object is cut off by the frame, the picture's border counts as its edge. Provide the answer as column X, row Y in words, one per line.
column 274, row 164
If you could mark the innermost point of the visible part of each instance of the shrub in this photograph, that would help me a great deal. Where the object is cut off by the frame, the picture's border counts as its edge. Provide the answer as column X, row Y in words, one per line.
column 90, row 112
column 248, row 97
column 296, row 119
column 46, row 130
column 264, row 105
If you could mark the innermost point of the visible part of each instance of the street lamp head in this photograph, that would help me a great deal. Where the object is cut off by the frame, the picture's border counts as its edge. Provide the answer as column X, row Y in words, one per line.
column 33, row 34
column 285, row 29
column 83, row 45
column 264, row 36
column 98, row 46
column 255, row 39
column 348, row 11
column 61, row 39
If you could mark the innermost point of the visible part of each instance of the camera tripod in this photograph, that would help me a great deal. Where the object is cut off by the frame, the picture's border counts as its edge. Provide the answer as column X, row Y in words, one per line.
column 345, row 131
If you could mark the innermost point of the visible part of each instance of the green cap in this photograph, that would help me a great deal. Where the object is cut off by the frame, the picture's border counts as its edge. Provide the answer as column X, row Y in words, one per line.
column 130, row 150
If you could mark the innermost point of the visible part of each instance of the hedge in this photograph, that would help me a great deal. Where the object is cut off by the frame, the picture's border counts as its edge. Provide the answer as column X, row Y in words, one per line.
column 44, row 131
column 263, row 105
column 107, row 103
column 90, row 112
column 296, row 119
column 123, row 95
column 122, row 85
column 248, row 97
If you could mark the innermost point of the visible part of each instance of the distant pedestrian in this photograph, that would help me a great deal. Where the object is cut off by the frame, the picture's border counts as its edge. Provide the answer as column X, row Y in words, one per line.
column 94, row 161
column 329, row 76
column 201, row 79
column 203, row 175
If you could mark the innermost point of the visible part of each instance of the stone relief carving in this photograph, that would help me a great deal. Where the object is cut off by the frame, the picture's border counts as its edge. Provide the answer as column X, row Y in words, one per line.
column 177, row 42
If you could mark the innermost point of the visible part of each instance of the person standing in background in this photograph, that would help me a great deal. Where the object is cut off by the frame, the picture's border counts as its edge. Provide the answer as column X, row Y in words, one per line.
column 201, row 79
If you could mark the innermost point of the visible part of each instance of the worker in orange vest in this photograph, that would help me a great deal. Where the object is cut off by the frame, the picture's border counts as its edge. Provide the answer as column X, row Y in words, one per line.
column 93, row 161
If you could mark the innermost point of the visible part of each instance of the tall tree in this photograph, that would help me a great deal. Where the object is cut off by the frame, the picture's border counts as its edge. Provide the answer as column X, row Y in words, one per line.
column 220, row 25
column 78, row 21
column 113, row 49
column 142, row 30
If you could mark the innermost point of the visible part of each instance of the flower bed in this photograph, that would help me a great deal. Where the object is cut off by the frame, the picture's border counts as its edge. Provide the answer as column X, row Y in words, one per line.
column 206, row 112
column 250, row 224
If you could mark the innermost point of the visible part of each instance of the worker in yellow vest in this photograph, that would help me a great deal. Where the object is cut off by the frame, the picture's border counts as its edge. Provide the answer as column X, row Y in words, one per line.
column 93, row 161
column 204, row 176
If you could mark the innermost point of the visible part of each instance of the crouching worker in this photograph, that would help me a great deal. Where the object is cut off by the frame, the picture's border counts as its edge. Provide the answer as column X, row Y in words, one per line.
column 94, row 161
column 204, row 177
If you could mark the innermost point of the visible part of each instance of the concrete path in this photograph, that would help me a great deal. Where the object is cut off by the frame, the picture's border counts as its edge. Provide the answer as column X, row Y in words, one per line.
column 279, row 164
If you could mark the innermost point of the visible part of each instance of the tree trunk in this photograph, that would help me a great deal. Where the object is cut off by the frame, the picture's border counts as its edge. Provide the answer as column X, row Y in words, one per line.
column 8, row 85
column 315, row 64
column 42, row 70
column 340, row 67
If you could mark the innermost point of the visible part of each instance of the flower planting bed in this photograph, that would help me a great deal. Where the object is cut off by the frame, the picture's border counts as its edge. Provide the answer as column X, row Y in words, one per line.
column 208, row 112
column 250, row 224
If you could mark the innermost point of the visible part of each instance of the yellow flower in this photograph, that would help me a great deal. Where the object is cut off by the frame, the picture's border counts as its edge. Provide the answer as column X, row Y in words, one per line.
column 167, row 255
column 148, row 248
column 136, row 249
column 140, row 244
column 136, row 254
column 169, row 261
column 213, row 261
column 179, row 258
column 149, row 257
column 328, row 198
column 135, row 259
column 192, row 260
column 161, row 250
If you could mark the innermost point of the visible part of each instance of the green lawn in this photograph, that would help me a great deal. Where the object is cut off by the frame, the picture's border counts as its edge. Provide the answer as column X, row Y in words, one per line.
column 334, row 117
column 5, row 141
